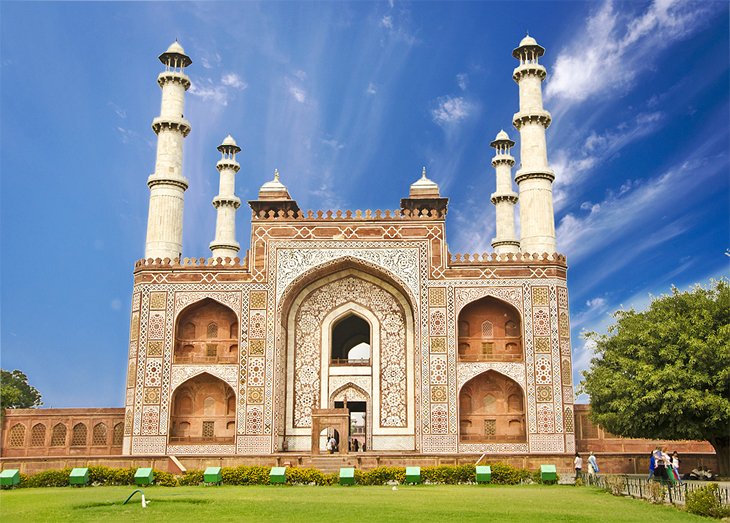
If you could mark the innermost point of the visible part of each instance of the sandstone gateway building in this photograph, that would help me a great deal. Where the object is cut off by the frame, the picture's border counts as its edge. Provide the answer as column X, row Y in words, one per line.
column 439, row 353
column 353, row 324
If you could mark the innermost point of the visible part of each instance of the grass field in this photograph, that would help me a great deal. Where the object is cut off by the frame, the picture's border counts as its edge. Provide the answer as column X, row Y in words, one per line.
column 438, row 503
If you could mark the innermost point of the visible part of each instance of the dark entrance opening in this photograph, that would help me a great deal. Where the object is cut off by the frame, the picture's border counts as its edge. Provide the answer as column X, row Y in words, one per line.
column 358, row 423
column 351, row 341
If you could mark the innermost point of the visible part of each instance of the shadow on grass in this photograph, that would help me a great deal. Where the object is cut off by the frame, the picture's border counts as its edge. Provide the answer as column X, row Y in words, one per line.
column 192, row 501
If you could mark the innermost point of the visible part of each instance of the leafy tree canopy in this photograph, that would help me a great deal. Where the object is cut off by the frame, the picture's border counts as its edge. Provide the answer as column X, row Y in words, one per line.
column 664, row 373
column 16, row 392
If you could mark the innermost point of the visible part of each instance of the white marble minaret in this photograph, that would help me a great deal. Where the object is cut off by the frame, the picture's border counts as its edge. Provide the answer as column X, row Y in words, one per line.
column 504, row 198
column 225, row 244
column 167, row 184
column 534, row 178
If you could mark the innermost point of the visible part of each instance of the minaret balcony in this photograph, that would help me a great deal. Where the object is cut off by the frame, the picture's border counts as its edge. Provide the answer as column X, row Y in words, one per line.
column 503, row 197
column 542, row 117
column 175, row 77
column 226, row 201
column 545, row 174
column 503, row 159
column 529, row 70
column 228, row 164
column 176, row 124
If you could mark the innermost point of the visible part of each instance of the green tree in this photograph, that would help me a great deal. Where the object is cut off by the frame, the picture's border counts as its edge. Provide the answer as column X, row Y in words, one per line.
column 664, row 373
column 16, row 392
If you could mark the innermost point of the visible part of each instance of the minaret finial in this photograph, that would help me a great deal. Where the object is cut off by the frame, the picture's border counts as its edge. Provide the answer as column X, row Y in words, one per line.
column 276, row 174
column 423, row 173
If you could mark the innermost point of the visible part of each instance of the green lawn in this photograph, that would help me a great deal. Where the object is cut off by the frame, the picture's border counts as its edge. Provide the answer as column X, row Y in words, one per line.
column 439, row 503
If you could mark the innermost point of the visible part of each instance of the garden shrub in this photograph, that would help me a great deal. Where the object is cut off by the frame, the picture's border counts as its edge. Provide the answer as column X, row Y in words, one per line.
column 245, row 475
column 100, row 475
column 705, row 502
column 614, row 485
column 191, row 478
column 309, row 476
column 165, row 479
column 504, row 474
column 656, row 492
column 449, row 474
column 50, row 478
column 380, row 476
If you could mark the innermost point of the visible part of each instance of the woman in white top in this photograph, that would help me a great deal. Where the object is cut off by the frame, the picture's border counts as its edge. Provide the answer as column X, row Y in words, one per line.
column 578, row 464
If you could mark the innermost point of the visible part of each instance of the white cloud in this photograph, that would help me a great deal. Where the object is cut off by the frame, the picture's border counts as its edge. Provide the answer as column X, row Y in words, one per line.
column 299, row 94
column 620, row 46
column 450, row 109
column 207, row 91
column 234, row 81
column 333, row 144
column 387, row 22
column 596, row 303
column 210, row 61
column 301, row 75
column 371, row 90
column 462, row 80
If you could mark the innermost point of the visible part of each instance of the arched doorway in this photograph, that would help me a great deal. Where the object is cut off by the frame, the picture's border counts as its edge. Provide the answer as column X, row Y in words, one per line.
column 365, row 323
column 206, row 332
column 491, row 409
column 489, row 330
column 350, row 341
column 203, row 411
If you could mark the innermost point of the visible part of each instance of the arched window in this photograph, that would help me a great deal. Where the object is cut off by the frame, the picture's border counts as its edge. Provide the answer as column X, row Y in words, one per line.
column 38, row 435
column 16, row 436
column 118, row 434
column 188, row 331
column 212, row 331
column 464, row 329
column 514, row 403
column 510, row 328
column 185, row 405
column 351, row 340
column 514, row 428
column 98, row 435
column 209, row 406
column 487, row 330
column 58, row 435
column 78, row 435
column 490, row 403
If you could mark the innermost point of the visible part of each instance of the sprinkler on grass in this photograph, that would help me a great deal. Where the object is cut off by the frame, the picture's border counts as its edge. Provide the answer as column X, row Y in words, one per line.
column 144, row 501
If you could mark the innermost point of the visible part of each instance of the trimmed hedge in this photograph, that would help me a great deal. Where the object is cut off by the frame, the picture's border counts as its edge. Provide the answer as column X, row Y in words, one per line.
column 502, row 474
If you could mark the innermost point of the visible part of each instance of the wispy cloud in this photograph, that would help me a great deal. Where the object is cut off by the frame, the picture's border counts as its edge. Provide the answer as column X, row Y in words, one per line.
column 572, row 164
column 234, row 81
column 371, row 90
column 621, row 46
column 387, row 22
column 121, row 113
column 462, row 80
column 450, row 110
column 219, row 92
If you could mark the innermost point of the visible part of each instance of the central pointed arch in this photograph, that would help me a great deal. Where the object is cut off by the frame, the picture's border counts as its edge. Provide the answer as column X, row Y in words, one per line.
column 203, row 411
column 350, row 289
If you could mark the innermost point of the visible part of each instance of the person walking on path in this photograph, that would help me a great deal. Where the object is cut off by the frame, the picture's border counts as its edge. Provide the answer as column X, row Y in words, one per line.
column 578, row 464
column 652, row 466
column 592, row 465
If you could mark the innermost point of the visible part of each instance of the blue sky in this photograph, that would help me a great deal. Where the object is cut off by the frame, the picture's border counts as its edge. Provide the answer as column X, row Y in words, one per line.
column 348, row 101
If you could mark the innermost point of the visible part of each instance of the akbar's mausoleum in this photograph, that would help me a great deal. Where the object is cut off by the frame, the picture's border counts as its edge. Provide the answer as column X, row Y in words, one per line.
column 358, row 325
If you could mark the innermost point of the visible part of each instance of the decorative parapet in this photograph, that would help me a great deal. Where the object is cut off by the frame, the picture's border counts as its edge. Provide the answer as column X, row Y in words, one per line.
column 192, row 263
column 508, row 257
column 356, row 215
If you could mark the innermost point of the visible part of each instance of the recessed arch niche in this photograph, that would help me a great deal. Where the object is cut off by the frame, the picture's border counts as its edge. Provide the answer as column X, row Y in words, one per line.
column 490, row 329
column 201, row 411
column 206, row 332
column 350, row 340
column 492, row 409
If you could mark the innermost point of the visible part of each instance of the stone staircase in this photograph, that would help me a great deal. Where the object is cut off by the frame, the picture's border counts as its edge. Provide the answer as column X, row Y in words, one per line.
column 330, row 464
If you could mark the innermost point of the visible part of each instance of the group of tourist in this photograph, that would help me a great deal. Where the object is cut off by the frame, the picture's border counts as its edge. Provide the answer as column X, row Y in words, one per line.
column 592, row 465
column 664, row 467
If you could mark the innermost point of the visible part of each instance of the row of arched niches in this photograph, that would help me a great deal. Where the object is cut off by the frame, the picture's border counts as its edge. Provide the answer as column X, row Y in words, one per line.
column 491, row 405
column 76, row 435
